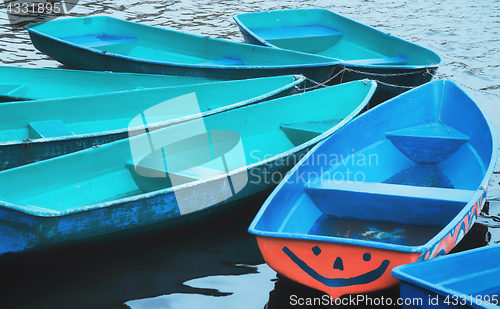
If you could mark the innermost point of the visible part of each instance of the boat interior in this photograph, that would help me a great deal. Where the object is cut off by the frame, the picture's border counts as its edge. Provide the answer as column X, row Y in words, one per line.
column 325, row 33
column 124, row 38
column 399, row 182
column 197, row 150
column 20, row 84
column 474, row 273
column 50, row 118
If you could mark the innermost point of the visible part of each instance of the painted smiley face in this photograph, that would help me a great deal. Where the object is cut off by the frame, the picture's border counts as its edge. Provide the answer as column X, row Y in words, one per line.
column 338, row 264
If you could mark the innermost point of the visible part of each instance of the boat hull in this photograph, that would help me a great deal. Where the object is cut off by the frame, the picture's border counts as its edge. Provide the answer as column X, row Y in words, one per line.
column 467, row 279
column 297, row 260
column 21, row 152
column 417, row 198
column 124, row 186
column 76, row 56
column 21, row 232
column 27, row 152
column 308, row 31
column 391, row 81
column 21, row 84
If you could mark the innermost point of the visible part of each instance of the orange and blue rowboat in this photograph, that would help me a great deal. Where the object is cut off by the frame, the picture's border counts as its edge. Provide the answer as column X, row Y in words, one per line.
column 402, row 183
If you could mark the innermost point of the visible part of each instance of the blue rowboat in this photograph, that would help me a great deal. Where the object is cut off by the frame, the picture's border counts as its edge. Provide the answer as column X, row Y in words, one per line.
column 36, row 130
column 404, row 182
column 466, row 279
column 20, row 84
column 364, row 51
column 108, row 44
column 170, row 176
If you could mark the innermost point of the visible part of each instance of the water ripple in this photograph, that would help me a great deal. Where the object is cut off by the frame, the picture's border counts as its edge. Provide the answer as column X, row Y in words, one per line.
column 464, row 33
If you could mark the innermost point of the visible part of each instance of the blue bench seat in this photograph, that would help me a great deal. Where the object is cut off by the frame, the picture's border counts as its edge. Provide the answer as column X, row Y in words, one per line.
column 47, row 129
column 13, row 89
column 298, row 32
column 223, row 61
column 387, row 202
column 105, row 42
column 427, row 144
column 379, row 61
column 151, row 173
column 301, row 132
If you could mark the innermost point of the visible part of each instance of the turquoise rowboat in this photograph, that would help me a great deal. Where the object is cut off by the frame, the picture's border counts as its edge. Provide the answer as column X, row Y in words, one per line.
column 108, row 44
column 32, row 131
column 173, row 175
column 364, row 52
column 20, row 84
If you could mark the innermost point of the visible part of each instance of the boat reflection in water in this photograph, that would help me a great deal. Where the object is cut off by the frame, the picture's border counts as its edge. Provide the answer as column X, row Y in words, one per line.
column 216, row 263
column 212, row 262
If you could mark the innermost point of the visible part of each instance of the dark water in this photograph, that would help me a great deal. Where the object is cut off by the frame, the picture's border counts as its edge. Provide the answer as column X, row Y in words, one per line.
column 217, row 264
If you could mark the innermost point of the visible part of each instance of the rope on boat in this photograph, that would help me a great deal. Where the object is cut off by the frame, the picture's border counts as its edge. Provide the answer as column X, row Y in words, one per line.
column 319, row 84
column 423, row 71
column 465, row 86
column 440, row 107
column 345, row 69
column 393, row 85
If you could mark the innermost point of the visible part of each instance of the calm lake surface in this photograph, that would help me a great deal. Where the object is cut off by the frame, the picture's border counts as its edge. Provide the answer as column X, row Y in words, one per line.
column 217, row 264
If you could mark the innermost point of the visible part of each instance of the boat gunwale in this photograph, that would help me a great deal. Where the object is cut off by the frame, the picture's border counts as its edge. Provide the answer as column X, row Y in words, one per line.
column 104, row 73
column 478, row 197
column 121, row 201
column 255, row 100
column 345, row 62
column 327, row 60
